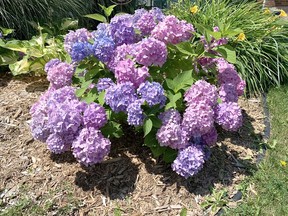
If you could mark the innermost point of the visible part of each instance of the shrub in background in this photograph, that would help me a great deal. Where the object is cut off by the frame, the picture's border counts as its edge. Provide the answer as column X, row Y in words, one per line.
column 262, row 56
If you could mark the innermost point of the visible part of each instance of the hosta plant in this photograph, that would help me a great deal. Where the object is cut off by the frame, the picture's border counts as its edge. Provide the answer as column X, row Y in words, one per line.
column 147, row 70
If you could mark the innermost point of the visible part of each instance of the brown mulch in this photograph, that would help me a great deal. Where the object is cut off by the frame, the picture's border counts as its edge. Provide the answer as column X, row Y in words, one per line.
column 129, row 181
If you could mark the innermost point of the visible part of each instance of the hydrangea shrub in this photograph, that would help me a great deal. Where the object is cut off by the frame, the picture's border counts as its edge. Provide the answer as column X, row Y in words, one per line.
column 154, row 70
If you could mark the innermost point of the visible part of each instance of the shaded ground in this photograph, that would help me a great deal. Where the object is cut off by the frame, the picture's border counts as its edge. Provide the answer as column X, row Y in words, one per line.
column 129, row 182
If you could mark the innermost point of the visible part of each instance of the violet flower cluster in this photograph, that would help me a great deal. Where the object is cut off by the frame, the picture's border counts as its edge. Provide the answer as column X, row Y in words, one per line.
column 65, row 123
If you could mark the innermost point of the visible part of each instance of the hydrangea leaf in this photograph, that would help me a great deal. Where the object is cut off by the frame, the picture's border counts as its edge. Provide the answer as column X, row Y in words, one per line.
column 97, row 17
column 147, row 127
column 227, row 52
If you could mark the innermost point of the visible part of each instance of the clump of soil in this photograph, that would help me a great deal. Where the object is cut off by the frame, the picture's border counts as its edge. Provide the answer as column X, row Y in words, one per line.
column 130, row 181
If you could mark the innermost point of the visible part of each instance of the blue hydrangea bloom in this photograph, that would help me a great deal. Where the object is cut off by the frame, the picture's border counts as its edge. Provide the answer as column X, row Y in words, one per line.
column 80, row 50
column 152, row 93
column 120, row 96
column 135, row 113
column 103, row 48
column 104, row 83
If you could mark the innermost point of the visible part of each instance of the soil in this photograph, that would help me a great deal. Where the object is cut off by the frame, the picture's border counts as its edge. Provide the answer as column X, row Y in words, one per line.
column 130, row 181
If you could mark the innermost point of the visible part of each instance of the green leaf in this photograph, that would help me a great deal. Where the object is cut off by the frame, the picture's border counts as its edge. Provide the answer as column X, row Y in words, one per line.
column 157, row 123
column 91, row 96
column 147, row 127
column 82, row 90
column 183, row 80
column 227, row 52
column 20, row 67
column 91, row 73
column 173, row 98
column 69, row 24
column 112, row 129
column 169, row 155
column 97, row 17
column 183, row 212
column 109, row 10
column 186, row 48
column 15, row 45
column 101, row 98
column 6, row 31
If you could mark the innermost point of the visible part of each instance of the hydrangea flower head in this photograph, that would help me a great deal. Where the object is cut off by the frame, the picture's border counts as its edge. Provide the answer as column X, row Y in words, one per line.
column 80, row 35
column 59, row 74
column 229, row 116
column 90, row 147
column 94, row 116
column 172, row 30
column 120, row 96
column 201, row 92
column 173, row 136
column 170, row 116
column 228, row 93
column 104, row 83
column 135, row 113
column 146, row 23
column 152, row 93
column 150, row 51
column 80, row 50
column 210, row 138
column 103, row 30
column 122, row 30
column 119, row 54
column 56, row 144
column 228, row 75
column 189, row 161
column 127, row 72
column 103, row 48
column 198, row 119
column 51, row 64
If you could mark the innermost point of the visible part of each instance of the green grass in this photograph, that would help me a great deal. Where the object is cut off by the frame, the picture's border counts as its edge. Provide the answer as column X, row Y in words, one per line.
column 271, row 180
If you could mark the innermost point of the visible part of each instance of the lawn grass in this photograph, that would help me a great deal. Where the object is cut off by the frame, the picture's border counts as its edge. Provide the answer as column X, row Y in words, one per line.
column 270, row 181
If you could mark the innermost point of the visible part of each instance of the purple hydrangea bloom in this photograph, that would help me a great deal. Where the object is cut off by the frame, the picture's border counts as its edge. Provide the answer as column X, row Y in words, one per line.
column 228, row 75
column 120, row 54
column 104, row 83
column 229, row 116
column 103, row 48
column 210, row 138
column 90, row 147
column 198, row 119
column 170, row 116
column 103, row 30
column 122, row 30
column 127, row 72
column 60, row 75
column 201, row 92
column 94, row 116
column 152, row 93
column 65, row 118
column 206, row 62
column 228, row 93
column 56, row 144
column 80, row 35
column 52, row 63
column 146, row 23
column 60, row 95
column 172, row 30
column 38, row 123
column 120, row 96
column 173, row 136
column 80, row 50
column 157, row 13
column 150, row 51
column 135, row 113
column 189, row 161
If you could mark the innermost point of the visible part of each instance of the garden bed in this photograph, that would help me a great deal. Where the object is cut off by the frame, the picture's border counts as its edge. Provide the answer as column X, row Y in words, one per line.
column 129, row 182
